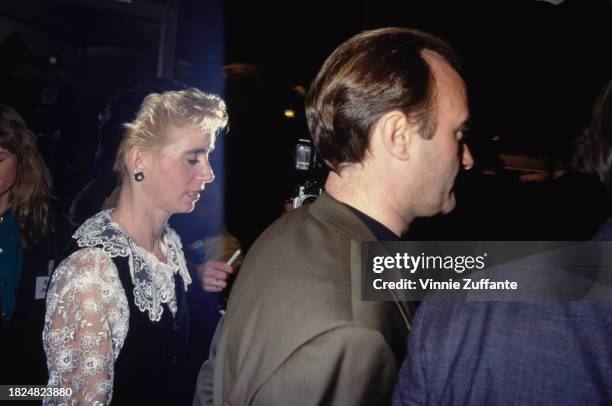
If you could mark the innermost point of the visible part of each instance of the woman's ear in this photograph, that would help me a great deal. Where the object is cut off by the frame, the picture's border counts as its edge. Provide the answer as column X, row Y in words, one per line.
column 135, row 160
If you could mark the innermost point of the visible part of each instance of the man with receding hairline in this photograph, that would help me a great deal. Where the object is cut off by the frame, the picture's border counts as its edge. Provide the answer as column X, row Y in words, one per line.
column 386, row 113
column 551, row 351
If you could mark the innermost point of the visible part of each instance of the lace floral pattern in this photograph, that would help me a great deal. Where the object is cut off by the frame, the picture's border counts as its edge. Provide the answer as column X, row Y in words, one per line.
column 151, row 289
column 87, row 314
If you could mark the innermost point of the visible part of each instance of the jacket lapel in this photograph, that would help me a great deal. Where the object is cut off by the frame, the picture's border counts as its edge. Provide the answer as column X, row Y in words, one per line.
column 332, row 212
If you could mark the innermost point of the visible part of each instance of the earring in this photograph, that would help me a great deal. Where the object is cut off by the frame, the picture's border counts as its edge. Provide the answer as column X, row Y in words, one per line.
column 138, row 176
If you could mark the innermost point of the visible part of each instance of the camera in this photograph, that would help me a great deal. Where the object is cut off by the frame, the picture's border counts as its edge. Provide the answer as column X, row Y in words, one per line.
column 309, row 173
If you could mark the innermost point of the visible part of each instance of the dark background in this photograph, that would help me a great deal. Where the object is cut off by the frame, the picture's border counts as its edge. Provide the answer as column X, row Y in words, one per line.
column 532, row 70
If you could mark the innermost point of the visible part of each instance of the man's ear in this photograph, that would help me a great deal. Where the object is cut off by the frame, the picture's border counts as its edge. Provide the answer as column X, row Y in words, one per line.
column 397, row 134
column 135, row 160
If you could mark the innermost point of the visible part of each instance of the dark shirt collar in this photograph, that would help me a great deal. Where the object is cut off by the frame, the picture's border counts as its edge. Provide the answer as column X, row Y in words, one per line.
column 379, row 230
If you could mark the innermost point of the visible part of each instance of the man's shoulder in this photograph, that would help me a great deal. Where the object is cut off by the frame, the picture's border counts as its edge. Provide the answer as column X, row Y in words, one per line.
column 299, row 262
column 524, row 311
column 298, row 273
column 503, row 329
column 299, row 244
column 313, row 226
column 482, row 344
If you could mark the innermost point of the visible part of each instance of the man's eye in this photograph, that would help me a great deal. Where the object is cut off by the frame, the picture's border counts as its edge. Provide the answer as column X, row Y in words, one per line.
column 193, row 162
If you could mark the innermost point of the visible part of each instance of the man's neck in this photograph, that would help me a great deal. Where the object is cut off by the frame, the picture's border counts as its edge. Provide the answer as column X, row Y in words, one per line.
column 354, row 188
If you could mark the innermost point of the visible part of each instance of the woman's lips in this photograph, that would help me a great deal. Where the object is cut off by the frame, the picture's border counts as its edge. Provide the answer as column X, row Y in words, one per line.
column 194, row 195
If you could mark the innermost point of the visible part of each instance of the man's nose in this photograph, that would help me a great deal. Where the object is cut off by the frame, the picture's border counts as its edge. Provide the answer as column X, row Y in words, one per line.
column 467, row 160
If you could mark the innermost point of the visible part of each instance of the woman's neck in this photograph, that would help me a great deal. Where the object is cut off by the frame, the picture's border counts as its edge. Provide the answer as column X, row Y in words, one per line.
column 143, row 224
column 4, row 202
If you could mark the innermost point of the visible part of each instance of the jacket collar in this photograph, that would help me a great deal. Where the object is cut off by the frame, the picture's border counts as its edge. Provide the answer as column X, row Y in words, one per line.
column 330, row 211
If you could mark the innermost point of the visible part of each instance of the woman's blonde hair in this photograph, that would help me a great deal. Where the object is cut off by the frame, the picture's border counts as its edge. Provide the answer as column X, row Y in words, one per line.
column 29, row 198
column 180, row 108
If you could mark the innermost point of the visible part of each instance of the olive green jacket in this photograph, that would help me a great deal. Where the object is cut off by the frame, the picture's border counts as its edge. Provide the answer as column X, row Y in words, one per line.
column 296, row 331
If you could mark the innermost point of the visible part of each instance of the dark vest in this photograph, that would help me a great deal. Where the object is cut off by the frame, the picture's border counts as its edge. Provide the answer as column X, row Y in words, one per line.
column 149, row 369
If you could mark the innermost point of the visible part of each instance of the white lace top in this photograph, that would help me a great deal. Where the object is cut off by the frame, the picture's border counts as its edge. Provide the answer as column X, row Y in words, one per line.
column 87, row 310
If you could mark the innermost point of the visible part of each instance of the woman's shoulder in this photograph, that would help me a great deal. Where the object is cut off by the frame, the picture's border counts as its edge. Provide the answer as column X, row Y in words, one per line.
column 87, row 273
column 100, row 231
column 88, row 265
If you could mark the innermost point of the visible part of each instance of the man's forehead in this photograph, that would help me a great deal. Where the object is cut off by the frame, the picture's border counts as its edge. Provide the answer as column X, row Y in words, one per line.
column 450, row 87
column 441, row 69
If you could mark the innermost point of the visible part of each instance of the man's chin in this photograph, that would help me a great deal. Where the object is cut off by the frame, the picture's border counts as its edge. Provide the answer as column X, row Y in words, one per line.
column 449, row 204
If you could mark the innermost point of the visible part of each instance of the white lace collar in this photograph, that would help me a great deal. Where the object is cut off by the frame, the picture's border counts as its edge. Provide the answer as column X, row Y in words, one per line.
column 151, row 288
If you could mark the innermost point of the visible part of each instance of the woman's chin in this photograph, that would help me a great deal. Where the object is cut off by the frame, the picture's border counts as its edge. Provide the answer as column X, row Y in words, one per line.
column 184, row 207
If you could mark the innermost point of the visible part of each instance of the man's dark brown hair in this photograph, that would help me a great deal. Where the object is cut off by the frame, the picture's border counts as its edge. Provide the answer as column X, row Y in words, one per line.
column 368, row 75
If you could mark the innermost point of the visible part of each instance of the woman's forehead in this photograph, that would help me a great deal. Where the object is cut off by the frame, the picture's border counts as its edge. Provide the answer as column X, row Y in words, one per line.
column 189, row 138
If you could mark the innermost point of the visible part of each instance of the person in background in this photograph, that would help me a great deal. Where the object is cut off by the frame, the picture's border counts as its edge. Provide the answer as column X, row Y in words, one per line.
column 117, row 320
column 218, row 249
column 528, row 353
column 594, row 149
column 25, row 224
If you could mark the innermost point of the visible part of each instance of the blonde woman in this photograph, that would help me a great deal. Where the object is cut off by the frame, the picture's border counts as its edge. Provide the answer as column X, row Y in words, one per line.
column 116, row 322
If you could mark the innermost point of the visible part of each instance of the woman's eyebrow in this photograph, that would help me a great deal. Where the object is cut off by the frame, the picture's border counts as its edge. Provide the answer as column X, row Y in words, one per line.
column 197, row 151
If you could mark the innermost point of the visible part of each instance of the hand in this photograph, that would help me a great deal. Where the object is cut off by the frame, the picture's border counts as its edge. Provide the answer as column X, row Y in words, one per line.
column 214, row 275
